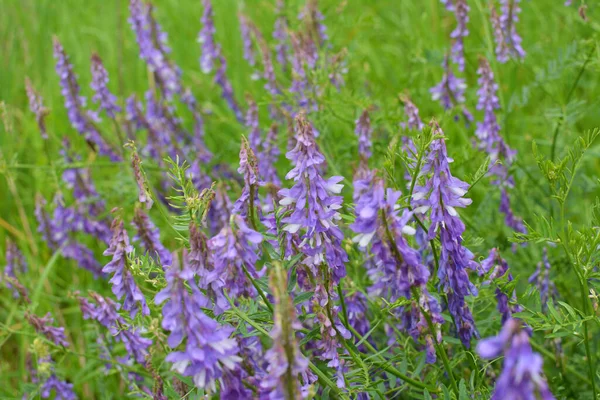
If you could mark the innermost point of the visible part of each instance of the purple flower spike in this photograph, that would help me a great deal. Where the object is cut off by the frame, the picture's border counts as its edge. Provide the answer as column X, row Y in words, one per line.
column 461, row 11
column 508, row 20
column 451, row 91
column 36, row 106
column 412, row 113
column 234, row 250
column 123, row 283
column 300, row 83
column 149, row 235
column 252, row 123
column 497, row 267
column 280, row 35
column 209, row 351
column 314, row 205
column 43, row 325
column 268, row 158
column 82, row 120
column 107, row 100
column 363, row 131
column 314, row 202
column 198, row 257
column 522, row 370
column 541, row 280
column 441, row 194
column 286, row 362
column 153, row 48
column 15, row 264
column 206, row 38
column 245, row 30
column 105, row 311
column 501, row 45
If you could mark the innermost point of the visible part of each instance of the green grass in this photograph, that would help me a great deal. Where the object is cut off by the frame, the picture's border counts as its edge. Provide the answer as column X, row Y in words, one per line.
column 393, row 46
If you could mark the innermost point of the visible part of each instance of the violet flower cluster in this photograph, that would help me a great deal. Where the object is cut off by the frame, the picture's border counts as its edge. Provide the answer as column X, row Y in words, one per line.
column 398, row 270
column 103, row 96
column 451, row 91
column 36, row 105
column 106, row 312
column 522, row 370
column 44, row 326
column 314, row 205
column 440, row 195
column 508, row 41
column 15, row 266
column 82, row 120
column 152, row 42
column 208, row 351
column 497, row 267
column 123, row 283
column 149, row 235
column 461, row 11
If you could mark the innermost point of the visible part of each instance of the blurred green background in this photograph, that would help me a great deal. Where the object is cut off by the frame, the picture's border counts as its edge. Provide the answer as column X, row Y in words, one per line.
column 392, row 46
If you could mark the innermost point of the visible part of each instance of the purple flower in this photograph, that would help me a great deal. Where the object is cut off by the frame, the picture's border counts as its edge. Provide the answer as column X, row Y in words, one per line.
column 313, row 19
column 488, row 130
column 508, row 20
column 43, row 325
column 414, row 322
column 300, row 85
column 151, row 41
column 62, row 389
column 497, row 267
column 234, row 250
column 252, row 123
column 510, row 219
column 286, row 362
column 57, row 232
column 15, row 264
column 206, row 38
column 105, row 311
column 412, row 114
column 501, row 45
column 541, row 279
column 220, row 209
column 313, row 202
column 451, row 91
column 356, row 306
column 82, row 120
column 461, row 11
column 248, row 200
column 208, row 351
column 281, row 36
column 36, row 106
column 522, row 370
column 441, row 194
column 249, row 55
column 314, row 206
column 107, row 100
column 363, row 131
column 123, row 284
column 268, row 158
column 397, row 271
column 149, row 235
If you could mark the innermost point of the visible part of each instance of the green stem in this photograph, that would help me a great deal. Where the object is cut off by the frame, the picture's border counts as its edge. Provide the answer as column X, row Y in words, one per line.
column 258, row 289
